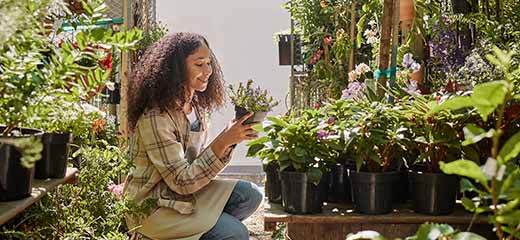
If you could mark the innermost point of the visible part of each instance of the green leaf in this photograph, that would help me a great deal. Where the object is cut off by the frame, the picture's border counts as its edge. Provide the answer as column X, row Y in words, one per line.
column 465, row 168
column 467, row 186
column 468, row 204
column 473, row 134
column 488, row 96
column 452, row 104
column 252, row 150
column 260, row 140
column 511, row 218
column 507, row 185
column 314, row 175
column 258, row 127
column 434, row 231
column 278, row 121
column 467, row 236
column 510, row 149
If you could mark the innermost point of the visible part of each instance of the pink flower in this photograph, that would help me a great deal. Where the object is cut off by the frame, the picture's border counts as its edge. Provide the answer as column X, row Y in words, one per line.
column 331, row 120
column 327, row 40
column 116, row 189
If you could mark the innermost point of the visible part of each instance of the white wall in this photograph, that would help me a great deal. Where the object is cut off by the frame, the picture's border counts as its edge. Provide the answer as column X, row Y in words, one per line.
column 240, row 32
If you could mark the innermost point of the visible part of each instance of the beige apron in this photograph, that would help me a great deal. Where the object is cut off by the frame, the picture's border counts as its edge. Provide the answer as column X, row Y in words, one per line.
column 167, row 223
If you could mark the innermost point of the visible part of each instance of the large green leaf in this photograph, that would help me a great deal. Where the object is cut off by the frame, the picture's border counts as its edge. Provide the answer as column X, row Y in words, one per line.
column 252, row 150
column 314, row 175
column 510, row 149
column 260, row 140
column 473, row 134
column 467, row 186
column 465, row 168
column 278, row 121
column 432, row 231
column 452, row 104
column 467, row 236
column 488, row 96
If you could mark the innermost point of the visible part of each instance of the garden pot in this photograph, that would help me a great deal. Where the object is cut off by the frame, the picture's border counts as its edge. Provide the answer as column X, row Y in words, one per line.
column 257, row 116
column 54, row 156
column 340, row 185
column 299, row 195
column 273, row 184
column 433, row 193
column 372, row 193
column 284, row 49
column 403, row 188
column 15, row 180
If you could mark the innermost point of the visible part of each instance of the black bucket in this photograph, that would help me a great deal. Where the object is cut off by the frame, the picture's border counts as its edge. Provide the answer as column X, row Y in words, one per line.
column 54, row 156
column 340, row 185
column 273, row 184
column 15, row 180
column 433, row 193
column 299, row 195
column 372, row 193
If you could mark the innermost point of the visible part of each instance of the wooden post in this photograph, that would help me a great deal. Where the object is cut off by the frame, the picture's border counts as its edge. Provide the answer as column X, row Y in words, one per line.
column 125, row 71
column 384, row 49
column 353, row 16
column 395, row 43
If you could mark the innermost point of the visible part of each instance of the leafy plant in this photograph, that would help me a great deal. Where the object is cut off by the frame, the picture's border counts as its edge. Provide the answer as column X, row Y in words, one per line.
column 427, row 231
column 378, row 136
column 499, row 178
column 250, row 98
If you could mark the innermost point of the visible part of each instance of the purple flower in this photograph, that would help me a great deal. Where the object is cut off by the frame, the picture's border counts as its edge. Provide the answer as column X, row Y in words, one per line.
column 331, row 120
column 408, row 60
column 354, row 90
column 322, row 134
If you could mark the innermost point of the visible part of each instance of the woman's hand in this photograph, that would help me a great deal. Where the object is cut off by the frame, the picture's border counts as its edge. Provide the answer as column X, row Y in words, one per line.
column 235, row 133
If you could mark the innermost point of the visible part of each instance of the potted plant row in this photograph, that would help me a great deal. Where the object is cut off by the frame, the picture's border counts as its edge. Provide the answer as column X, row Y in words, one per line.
column 31, row 65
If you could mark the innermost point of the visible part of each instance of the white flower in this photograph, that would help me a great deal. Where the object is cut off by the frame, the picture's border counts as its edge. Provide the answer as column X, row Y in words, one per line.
column 353, row 76
column 372, row 40
column 110, row 85
column 362, row 68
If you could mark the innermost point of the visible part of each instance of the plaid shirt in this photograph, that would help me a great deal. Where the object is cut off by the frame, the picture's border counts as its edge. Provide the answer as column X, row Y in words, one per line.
column 161, row 168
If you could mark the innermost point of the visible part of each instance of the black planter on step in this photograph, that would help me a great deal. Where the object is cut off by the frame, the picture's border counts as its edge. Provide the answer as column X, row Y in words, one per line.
column 273, row 184
column 340, row 184
column 299, row 195
column 433, row 193
column 403, row 189
column 15, row 180
column 54, row 156
column 372, row 193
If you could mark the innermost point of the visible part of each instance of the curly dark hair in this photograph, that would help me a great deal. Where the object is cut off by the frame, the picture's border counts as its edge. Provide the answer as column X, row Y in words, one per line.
column 160, row 78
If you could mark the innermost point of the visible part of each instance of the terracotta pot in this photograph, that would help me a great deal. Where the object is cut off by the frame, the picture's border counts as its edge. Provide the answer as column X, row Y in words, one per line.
column 406, row 10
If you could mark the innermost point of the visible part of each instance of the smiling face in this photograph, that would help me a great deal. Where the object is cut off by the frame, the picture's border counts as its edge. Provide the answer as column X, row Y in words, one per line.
column 198, row 68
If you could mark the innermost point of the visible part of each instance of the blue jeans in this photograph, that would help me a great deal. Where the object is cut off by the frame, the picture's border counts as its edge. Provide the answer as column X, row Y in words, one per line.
column 244, row 200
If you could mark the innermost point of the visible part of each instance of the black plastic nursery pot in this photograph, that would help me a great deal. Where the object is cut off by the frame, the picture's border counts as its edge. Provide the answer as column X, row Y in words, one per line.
column 433, row 193
column 54, row 156
column 257, row 116
column 15, row 180
column 403, row 188
column 373, row 193
column 299, row 195
column 339, row 191
column 273, row 184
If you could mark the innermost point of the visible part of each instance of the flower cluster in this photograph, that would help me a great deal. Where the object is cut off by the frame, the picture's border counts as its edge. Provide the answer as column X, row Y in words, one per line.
column 410, row 63
column 354, row 90
column 476, row 70
column 371, row 34
column 316, row 56
column 252, row 99
column 116, row 189
column 361, row 69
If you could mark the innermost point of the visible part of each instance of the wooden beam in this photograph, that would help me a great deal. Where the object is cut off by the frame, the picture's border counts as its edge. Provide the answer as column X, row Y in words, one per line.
column 384, row 49
column 353, row 18
column 125, row 71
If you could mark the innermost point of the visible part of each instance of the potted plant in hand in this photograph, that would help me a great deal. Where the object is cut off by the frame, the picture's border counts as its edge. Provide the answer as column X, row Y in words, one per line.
column 436, row 138
column 246, row 99
column 378, row 147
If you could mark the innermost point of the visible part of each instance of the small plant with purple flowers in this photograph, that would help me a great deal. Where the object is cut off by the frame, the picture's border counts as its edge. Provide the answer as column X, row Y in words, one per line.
column 250, row 98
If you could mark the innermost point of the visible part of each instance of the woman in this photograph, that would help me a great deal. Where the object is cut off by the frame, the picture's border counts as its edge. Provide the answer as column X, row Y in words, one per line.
column 177, row 82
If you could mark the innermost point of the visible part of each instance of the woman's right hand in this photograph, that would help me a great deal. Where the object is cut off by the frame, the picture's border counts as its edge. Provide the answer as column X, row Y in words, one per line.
column 235, row 133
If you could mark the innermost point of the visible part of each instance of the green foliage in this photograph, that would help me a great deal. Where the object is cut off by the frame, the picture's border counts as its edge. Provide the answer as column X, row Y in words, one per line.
column 155, row 32
column 250, row 98
column 87, row 209
column 427, row 231
column 29, row 147
column 500, row 177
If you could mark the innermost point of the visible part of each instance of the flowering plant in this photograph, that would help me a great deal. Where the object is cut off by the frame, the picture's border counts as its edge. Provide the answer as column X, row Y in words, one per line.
column 252, row 99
